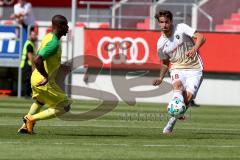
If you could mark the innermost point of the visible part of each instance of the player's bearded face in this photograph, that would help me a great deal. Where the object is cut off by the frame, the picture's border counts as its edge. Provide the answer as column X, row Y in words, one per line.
column 165, row 24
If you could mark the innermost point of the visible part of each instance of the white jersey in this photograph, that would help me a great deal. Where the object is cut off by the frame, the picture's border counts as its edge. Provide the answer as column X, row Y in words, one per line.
column 175, row 47
column 27, row 8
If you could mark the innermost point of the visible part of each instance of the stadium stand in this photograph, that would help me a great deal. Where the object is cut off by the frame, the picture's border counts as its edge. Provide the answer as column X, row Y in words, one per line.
column 181, row 9
column 230, row 25
column 144, row 25
column 80, row 24
column 219, row 12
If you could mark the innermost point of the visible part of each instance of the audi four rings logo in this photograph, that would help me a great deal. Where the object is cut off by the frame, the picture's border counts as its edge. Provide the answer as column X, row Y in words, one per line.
column 122, row 50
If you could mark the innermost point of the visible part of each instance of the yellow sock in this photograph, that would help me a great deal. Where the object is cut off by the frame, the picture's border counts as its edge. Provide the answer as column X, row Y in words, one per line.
column 35, row 108
column 46, row 114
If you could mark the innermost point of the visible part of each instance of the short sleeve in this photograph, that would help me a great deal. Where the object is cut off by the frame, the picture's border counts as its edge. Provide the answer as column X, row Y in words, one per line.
column 186, row 29
column 15, row 8
column 28, row 7
column 49, row 49
column 161, row 54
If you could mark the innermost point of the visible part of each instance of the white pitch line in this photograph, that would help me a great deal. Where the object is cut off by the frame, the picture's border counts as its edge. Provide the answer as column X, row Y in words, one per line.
column 67, row 143
column 55, row 143
column 104, row 144
column 125, row 145
column 212, row 129
column 183, row 145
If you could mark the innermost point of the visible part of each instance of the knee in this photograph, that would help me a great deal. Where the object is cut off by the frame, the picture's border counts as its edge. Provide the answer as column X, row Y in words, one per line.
column 188, row 98
column 178, row 86
column 67, row 108
column 40, row 103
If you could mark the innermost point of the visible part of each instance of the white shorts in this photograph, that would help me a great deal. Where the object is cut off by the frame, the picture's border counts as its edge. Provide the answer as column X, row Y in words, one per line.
column 191, row 80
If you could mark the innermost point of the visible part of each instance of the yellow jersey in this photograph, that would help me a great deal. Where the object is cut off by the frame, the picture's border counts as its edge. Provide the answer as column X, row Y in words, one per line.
column 51, row 93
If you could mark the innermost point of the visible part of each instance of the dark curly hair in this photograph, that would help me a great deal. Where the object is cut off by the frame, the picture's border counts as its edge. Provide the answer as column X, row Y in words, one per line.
column 163, row 13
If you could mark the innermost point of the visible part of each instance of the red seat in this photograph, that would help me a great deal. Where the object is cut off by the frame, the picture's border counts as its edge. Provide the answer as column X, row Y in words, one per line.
column 80, row 24
column 230, row 25
column 104, row 25
column 144, row 25
column 235, row 16
column 231, row 22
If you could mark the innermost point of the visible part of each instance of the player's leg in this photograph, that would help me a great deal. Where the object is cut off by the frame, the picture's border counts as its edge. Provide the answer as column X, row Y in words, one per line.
column 193, row 103
column 188, row 95
column 178, row 83
column 178, row 87
column 177, row 93
column 178, row 90
column 193, row 83
column 193, row 80
column 189, row 83
column 35, row 108
column 49, row 113
column 57, row 102
column 170, row 125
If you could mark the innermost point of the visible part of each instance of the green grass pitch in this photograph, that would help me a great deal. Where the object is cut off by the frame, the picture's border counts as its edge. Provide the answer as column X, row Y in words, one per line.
column 129, row 132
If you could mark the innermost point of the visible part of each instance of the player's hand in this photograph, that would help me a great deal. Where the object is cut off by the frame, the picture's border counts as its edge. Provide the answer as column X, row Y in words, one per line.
column 43, row 82
column 157, row 82
column 191, row 52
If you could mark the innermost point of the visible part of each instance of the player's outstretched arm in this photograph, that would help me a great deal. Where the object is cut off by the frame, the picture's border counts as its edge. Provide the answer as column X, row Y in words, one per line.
column 38, row 61
column 200, row 40
column 163, row 72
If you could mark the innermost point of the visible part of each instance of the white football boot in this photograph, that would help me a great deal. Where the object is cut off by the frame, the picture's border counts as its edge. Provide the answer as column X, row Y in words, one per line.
column 170, row 125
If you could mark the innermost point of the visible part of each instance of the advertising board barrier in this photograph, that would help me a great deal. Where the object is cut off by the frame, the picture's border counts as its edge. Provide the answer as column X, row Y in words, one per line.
column 11, row 48
column 122, row 49
column 132, row 49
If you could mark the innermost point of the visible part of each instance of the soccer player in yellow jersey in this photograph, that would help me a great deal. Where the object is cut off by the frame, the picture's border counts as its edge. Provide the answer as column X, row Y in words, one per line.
column 179, row 53
column 44, row 87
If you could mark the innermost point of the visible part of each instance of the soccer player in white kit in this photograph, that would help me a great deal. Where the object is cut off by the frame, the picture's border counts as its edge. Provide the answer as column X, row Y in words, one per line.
column 178, row 50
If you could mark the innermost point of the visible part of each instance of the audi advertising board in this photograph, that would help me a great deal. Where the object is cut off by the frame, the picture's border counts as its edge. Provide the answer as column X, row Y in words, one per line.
column 122, row 49
column 131, row 49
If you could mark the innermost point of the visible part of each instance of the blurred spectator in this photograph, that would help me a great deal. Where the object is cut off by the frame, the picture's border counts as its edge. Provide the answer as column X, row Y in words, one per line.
column 27, row 65
column 1, row 8
column 23, row 14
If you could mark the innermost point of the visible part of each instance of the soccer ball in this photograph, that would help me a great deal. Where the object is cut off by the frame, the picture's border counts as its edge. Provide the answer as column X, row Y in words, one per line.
column 176, row 108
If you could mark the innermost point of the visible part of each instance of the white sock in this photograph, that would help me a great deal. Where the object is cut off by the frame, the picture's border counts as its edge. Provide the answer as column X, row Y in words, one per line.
column 178, row 94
